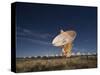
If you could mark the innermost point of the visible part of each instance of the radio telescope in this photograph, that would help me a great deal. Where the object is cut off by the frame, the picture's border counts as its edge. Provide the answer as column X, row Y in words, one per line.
column 65, row 40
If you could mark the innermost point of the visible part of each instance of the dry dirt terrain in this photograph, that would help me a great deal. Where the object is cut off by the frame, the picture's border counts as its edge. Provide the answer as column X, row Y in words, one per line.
column 55, row 63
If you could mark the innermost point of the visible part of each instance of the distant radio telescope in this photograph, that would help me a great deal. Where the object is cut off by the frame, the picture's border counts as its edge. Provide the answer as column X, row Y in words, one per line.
column 65, row 40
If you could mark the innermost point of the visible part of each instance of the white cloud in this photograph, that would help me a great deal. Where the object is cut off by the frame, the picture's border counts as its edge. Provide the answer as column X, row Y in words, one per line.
column 35, row 41
column 27, row 32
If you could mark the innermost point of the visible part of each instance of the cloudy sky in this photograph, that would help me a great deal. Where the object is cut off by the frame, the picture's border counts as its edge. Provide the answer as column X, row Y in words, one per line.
column 37, row 25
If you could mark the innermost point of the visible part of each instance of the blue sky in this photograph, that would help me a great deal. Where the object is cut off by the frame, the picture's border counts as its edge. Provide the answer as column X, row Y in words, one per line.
column 37, row 25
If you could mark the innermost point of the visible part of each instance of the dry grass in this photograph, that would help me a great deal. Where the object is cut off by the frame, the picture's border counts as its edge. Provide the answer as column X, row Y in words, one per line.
column 55, row 63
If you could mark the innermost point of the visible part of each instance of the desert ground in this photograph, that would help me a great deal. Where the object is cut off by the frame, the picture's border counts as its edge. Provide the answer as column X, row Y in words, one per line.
column 35, row 64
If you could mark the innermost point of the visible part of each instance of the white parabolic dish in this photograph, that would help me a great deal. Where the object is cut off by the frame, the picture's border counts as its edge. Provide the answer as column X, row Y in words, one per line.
column 64, row 37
